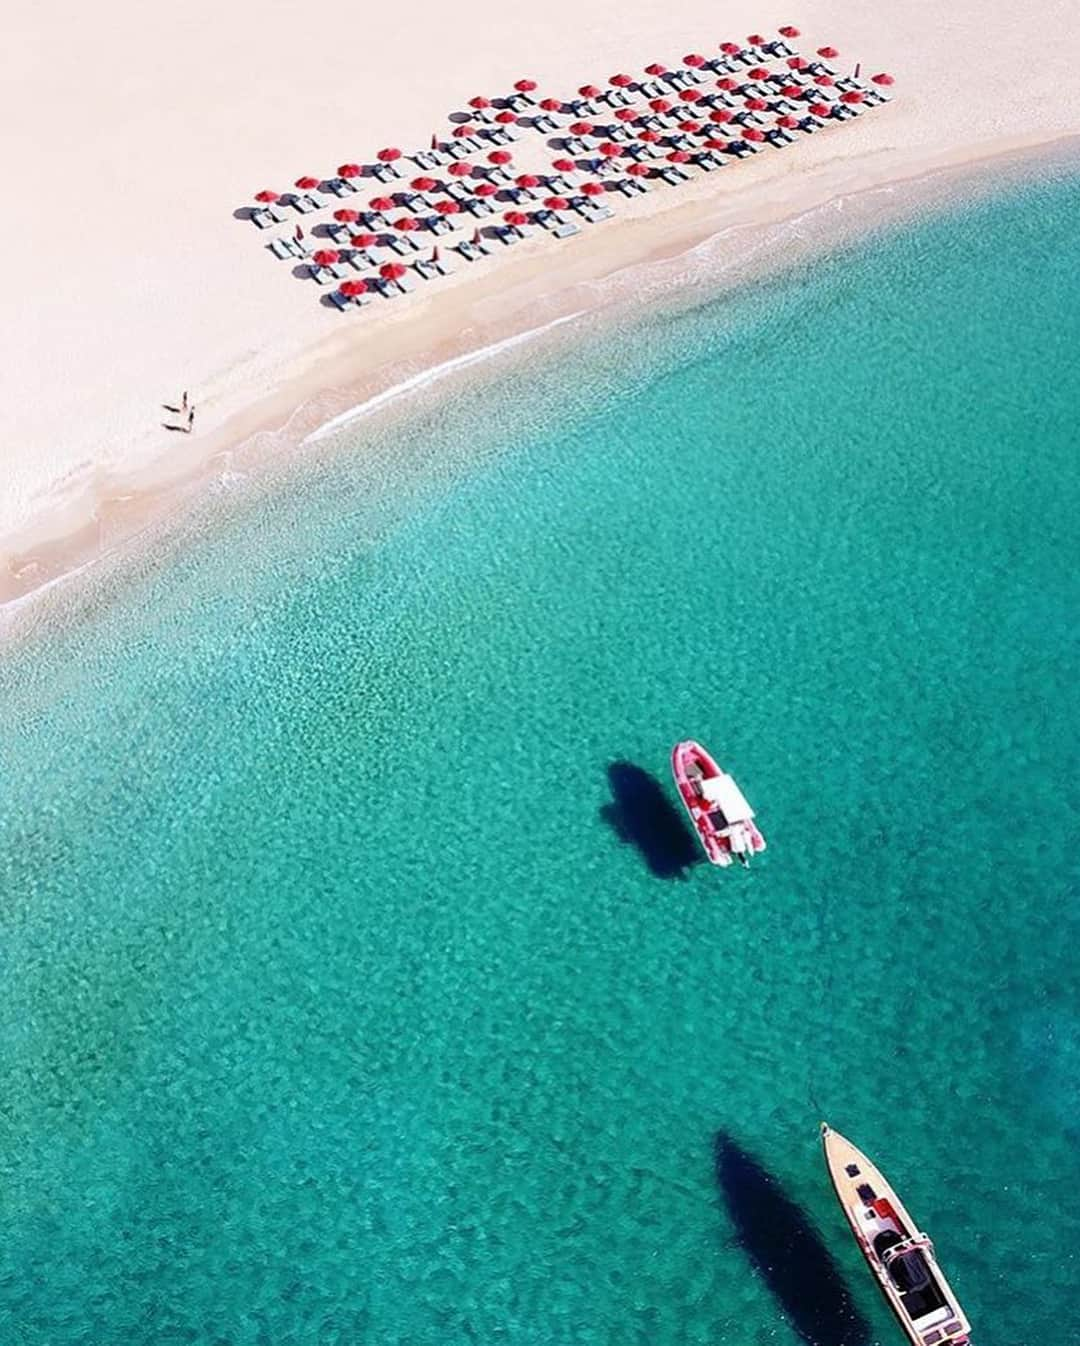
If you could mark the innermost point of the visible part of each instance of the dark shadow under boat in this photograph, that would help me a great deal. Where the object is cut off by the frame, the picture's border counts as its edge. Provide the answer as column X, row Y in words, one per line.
column 787, row 1251
column 642, row 816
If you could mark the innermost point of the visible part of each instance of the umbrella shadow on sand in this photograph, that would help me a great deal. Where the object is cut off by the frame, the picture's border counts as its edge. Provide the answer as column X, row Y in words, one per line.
column 641, row 815
column 787, row 1251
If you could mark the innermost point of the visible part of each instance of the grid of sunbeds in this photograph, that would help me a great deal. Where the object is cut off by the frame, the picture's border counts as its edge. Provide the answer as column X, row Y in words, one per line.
column 665, row 126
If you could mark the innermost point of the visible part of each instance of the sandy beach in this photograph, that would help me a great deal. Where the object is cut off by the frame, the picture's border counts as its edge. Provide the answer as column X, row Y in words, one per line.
column 135, row 281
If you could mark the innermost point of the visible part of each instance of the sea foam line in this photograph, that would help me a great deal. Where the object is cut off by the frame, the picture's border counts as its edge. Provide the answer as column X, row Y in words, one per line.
column 433, row 375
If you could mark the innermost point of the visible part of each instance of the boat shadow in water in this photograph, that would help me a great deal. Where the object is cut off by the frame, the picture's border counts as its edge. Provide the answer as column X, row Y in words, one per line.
column 787, row 1251
column 642, row 815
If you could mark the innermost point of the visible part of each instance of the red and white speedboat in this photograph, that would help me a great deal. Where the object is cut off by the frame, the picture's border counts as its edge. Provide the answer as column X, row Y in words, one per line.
column 722, row 818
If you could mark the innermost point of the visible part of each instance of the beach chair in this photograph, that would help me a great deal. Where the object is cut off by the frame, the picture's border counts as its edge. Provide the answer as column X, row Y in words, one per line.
column 476, row 205
column 305, row 204
column 778, row 136
column 471, row 251
column 406, row 284
column 384, row 172
column 262, row 219
column 277, row 214
column 423, row 158
column 340, row 301
column 707, row 161
column 653, row 89
column 425, row 269
column 337, row 232
column 360, row 259
column 507, row 235
column 443, row 267
column 396, row 243
column 439, row 224
column 282, row 249
column 321, row 275
column 519, row 103
column 340, row 187
column 339, row 270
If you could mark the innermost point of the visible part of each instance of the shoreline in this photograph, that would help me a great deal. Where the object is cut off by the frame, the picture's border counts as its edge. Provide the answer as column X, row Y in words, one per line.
column 629, row 264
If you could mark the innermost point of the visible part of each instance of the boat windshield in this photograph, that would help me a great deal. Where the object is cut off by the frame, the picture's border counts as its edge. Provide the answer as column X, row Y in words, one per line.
column 910, row 1272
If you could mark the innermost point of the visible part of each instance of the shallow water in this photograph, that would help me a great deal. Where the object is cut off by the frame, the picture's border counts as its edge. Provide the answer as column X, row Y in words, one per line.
column 358, row 986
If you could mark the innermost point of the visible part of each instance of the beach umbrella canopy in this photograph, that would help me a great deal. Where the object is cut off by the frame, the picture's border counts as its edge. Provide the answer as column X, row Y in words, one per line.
column 407, row 224
column 626, row 114
column 267, row 196
column 690, row 128
column 713, row 144
column 563, row 165
column 720, row 115
column 505, row 118
column 610, row 150
column 557, row 203
column 851, row 96
column 391, row 271
column 351, row 288
column 621, row 81
column 307, row 183
column 755, row 40
column 346, row 216
column 820, row 110
column 326, row 256
column 460, row 170
column 796, row 63
column 485, row 189
column 527, row 180
column 388, row 155
column 581, row 128
column 756, row 104
column 726, row 83
column 423, row 184
column 479, row 102
column 516, row 217
column 882, row 78
column 690, row 95
column 788, row 122
column 525, row 85
column 678, row 157
column 447, row 207
column 462, row 131
column 829, row 53
column 695, row 59
column 758, row 72
column 789, row 30
column 592, row 189
column 639, row 170
column 753, row 134
column 381, row 203
column 791, row 91
column 659, row 104
column 500, row 157
column 730, row 48
column 650, row 137
column 349, row 170
column 590, row 91
column 656, row 69
column 551, row 104
column 364, row 240
column 826, row 81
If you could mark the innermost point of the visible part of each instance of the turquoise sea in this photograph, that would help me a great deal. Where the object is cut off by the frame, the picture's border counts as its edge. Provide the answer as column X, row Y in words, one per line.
column 357, row 984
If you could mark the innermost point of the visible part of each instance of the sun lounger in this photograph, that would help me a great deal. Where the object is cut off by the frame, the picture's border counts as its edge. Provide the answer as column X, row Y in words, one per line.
column 472, row 252
column 707, row 161
column 545, row 122
column 425, row 269
column 439, row 224
column 384, row 172
column 406, row 284
column 424, row 158
column 341, row 187
column 340, row 301
column 337, row 232
column 670, row 175
column 517, row 102
column 282, row 248
column 305, row 204
column 262, row 219
column 360, row 259
column 321, row 275
column 476, row 205
column 507, row 235
column 396, row 243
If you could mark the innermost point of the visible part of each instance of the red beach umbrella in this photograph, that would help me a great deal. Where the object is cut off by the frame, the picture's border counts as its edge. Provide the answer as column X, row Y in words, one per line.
column 639, row 170
column 796, row 62
column 388, row 155
column 690, row 128
column 447, row 207
column 267, row 196
column 650, row 137
column 656, row 69
column 407, row 224
column 551, row 104
column 752, row 133
column 755, row 40
column 351, row 288
column 505, row 118
column 851, row 96
column 730, row 48
column 527, row 180
column 820, row 110
column 690, row 95
column 756, row 104
column 791, row 91
column 557, row 203
column 364, row 240
column 326, row 256
column 485, row 189
column 610, row 150
column 564, row 165
column 381, row 203
column 516, row 217
column 713, row 144
column 581, row 128
column 626, row 114
column 349, row 170
column 479, row 102
column 525, row 85
column 346, row 216
column 883, row 78
column 789, row 30
column 592, row 189
column 726, row 83
column 307, row 183
column 758, row 72
column 460, row 170
column 423, row 184
column 826, row 81
column 719, row 116
column 462, row 131
column 695, row 60
column 620, row 81
column 660, row 104
column 678, row 157
column 590, row 91
column 391, row 271
column 829, row 53
column 788, row 122
column 500, row 157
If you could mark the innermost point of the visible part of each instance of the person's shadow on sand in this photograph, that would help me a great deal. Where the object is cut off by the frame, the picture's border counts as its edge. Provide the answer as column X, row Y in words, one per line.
column 641, row 815
column 786, row 1251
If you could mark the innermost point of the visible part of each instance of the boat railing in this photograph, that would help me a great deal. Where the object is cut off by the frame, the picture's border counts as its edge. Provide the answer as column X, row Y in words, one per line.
column 910, row 1244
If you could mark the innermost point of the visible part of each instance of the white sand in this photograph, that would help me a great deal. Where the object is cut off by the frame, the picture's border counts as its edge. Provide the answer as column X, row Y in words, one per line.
column 132, row 139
